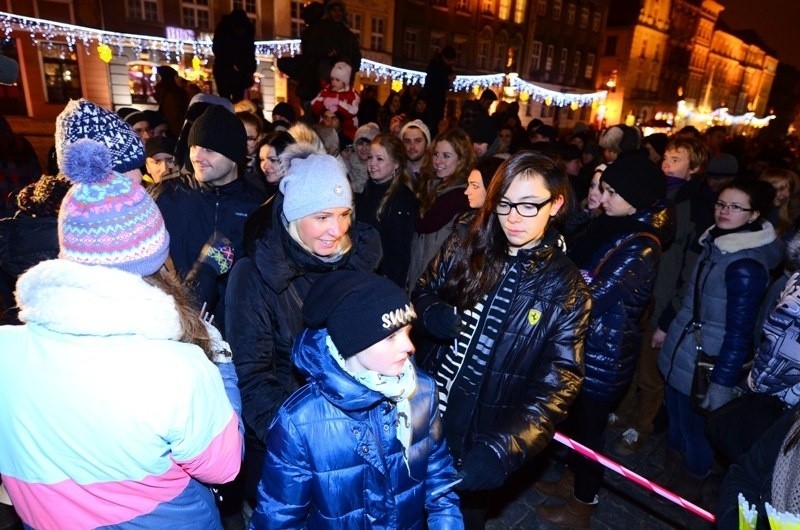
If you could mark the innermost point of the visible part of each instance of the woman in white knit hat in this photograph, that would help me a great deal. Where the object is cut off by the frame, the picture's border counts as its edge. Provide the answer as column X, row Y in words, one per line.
column 312, row 234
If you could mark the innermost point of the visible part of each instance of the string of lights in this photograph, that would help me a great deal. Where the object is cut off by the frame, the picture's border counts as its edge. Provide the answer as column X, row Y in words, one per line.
column 44, row 31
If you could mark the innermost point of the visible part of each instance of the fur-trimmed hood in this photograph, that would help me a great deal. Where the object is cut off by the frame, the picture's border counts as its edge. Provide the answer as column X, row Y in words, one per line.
column 742, row 240
column 77, row 299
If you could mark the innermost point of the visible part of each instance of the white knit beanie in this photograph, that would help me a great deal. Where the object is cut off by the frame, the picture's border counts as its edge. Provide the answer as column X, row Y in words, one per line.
column 313, row 184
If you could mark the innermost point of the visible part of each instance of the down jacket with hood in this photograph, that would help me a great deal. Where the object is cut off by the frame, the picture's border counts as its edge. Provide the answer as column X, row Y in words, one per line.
column 334, row 461
column 776, row 366
column 733, row 275
column 263, row 304
column 624, row 271
column 536, row 366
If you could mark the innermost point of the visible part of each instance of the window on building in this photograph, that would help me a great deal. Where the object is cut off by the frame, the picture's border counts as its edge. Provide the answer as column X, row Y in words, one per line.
column 410, row 43
column 62, row 78
column 460, row 46
column 583, row 20
column 146, row 10
column 576, row 64
column 355, row 23
column 571, row 8
column 141, row 81
column 195, row 14
column 589, row 72
column 504, row 13
column 499, row 59
column 596, row 19
column 562, row 65
column 298, row 24
column 462, row 5
column 519, row 11
column 556, row 9
column 377, row 34
column 249, row 7
column 484, row 49
column 536, row 57
column 643, row 52
column 437, row 43
column 541, row 8
column 611, row 45
column 487, row 6
column 548, row 58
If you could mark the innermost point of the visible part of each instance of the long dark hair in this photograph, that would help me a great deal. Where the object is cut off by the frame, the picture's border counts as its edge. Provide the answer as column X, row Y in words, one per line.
column 479, row 261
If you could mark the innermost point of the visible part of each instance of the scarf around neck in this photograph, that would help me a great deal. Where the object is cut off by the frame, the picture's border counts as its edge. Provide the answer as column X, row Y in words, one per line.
column 397, row 389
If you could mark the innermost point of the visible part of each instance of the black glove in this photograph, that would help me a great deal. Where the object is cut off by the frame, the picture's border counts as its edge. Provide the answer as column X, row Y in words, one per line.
column 481, row 470
column 442, row 321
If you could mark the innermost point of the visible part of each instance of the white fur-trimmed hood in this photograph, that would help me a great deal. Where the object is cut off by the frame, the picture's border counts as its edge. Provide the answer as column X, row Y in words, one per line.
column 743, row 240
column 76, row 299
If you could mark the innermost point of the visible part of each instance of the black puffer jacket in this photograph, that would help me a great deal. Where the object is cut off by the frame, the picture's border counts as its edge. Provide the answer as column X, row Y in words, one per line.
column 536, row 366
column 624, row 270
column 263, row 304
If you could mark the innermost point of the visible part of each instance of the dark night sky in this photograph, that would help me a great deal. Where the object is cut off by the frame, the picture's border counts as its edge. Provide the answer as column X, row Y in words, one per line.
column 775, row 21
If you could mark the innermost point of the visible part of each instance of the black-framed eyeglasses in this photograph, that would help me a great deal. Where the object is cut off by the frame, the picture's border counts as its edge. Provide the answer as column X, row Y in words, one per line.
column 525, row 209
column 735, row 208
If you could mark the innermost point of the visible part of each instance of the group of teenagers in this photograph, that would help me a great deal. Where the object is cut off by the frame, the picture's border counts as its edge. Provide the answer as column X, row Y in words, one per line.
column 344, row 388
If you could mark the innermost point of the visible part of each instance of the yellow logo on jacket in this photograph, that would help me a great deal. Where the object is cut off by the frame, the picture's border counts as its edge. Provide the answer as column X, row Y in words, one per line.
column 534, row 316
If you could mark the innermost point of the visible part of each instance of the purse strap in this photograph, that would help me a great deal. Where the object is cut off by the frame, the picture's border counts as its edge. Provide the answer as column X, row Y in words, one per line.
column 625, row 240
column 696, row 323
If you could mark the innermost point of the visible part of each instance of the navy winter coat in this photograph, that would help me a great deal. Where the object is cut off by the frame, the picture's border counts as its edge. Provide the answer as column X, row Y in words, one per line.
column 621, row 290
column 334, row 460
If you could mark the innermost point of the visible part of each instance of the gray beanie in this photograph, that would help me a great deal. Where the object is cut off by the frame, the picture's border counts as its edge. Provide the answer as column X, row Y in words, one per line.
column 312, row 184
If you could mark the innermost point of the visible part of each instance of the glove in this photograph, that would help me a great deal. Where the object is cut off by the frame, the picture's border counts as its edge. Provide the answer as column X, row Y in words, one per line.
column 442, row 321
column 716, row 396
column 217, row 253
column 481, row 470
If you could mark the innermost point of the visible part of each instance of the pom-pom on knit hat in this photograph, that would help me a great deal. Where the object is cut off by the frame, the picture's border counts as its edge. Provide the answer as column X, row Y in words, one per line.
column 313, row 184
column 358, row 309
column 221, row 131
column 83, row 119
column 107, row 218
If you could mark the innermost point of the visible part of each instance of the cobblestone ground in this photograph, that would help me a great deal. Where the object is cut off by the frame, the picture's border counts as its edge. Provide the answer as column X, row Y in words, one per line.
column 623, row 504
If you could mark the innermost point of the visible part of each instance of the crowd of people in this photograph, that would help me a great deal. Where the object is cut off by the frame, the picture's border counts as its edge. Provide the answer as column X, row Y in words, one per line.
column 365, row 315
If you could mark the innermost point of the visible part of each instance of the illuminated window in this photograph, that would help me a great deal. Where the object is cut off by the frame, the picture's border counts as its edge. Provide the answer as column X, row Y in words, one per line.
column 141, row 81
column 571, row 14
column 62, row 78
column 548, row 60
column 377, row 34
column 355, row 23
column 519, row 11
column 462, row 5
column 146, row 10
column 556, row 9
column 505, row 10
column 298, row 24
column 195, row 14
column 487, row 6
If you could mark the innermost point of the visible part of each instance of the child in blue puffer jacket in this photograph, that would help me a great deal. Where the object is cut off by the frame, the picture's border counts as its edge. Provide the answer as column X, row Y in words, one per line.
column 361, row 445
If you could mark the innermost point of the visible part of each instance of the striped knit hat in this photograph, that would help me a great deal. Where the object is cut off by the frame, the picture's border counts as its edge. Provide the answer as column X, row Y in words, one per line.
column 107, row 218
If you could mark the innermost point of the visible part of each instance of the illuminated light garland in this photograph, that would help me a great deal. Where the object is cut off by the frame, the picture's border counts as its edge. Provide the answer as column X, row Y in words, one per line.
column 721, row 115
column 43, row 30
